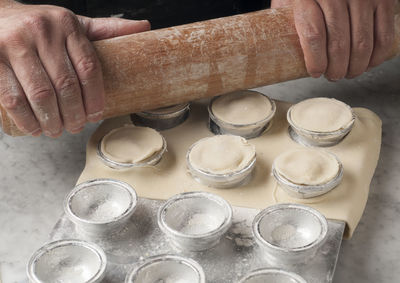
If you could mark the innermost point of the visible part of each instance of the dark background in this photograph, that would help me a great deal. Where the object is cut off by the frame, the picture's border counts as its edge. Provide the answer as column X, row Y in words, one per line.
column 160, row 13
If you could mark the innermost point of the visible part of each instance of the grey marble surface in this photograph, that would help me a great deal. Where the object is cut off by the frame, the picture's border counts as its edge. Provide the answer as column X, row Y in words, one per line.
column 36, row 174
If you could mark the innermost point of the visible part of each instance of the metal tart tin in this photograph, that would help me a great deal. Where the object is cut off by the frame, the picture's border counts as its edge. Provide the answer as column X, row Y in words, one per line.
column 195, row 221
column 272, row 275
column 223, row 180
column 100, row 207
column 68, row 261
column 163, row 118
column 308, row 191
column 289, row 233
column 314, row 138
column 248, row 131
column 167, row 268
column 151, row 161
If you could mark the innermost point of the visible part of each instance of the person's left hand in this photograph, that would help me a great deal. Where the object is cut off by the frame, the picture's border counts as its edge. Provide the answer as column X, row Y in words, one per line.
column 342, row 38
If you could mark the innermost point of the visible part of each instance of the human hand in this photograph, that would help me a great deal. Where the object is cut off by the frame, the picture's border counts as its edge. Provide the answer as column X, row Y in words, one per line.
column 50, row 76
column 342, row 38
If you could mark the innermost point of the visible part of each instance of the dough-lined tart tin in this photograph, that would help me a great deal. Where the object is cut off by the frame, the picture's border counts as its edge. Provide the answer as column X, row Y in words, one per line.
column 290, row 233
column 249, row 131
column 100, row 207
column 304, row 191
column 272, row 275
column 195, row 221
column 318, row 139
column 150, row 161
column 231, row 179
column 69, row 261
column 163, row 118
column 167, row 268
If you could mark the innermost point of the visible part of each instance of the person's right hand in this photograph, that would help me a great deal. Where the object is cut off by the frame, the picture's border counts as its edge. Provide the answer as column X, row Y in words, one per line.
column 50, row 76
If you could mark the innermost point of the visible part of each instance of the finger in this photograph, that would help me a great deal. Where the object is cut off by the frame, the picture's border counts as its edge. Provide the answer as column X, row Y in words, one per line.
column 103, row 28
column 66, row 85
column 88, row 69
column 362, row 36
column 38, row 89
column 383, row 33
column 338, row 38
column 13, row 100
column 310, row 27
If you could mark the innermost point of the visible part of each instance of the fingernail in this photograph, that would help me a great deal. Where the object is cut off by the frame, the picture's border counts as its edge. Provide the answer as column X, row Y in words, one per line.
column 95, row 117
column 369, row 69
column 76, row 130
column 315, row 75
column 36, row 132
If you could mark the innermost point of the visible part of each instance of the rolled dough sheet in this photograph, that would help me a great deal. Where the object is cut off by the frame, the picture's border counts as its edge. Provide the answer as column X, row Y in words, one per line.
column 359, row 153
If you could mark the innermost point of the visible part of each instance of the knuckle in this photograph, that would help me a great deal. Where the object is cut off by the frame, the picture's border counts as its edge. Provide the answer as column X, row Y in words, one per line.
column 12, row 39
column 65, row 83
column 40, row 95
column 336, row 46
column 37, row 23
column 10, row 101
column 362, row 44
column 67, row 19
column 88, row 65
column 313, row 35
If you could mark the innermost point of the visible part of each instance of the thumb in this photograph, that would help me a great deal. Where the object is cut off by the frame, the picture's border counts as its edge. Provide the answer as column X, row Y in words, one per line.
column 103, row 28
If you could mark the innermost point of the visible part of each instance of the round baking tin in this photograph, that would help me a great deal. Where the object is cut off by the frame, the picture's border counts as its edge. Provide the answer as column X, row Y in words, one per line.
column 69, row 261
column 308, row 191
column 272, row 275
column 167, row 268
column 222, row 180
column 151, row 161
column 248, row 131
column 163, row 118
column 314, row 138
column 100, row 207
column 289, row 233
column 195, row 221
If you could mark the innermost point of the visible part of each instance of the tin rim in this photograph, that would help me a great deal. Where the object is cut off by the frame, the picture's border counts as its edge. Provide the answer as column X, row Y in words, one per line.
column 223, row 176
column 337, row 133
column 263, row 271
column 150, row 161
column 196, row 267
column 127, row 213
column 69, row 242
column 221, row 122
column 316, row 243
column 221, row 229
column 152, row 115
column 308, row 191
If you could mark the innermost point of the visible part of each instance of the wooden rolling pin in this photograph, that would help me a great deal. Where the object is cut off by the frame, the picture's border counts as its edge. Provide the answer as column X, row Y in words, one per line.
column 179, row 64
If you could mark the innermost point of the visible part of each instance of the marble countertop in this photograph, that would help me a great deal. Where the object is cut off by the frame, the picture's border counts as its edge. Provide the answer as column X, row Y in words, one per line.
column 36, row 174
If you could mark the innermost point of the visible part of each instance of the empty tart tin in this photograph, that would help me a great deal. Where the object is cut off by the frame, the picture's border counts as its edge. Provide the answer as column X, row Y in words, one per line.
column 163, row 118
column 167, row 268
column 100, row 207
column 222, row 161
column 289, row 233
column 320, row 121
column 307, row 173
column 133, row 147
column 243, row 113
column 67, row 261
column 195, row 221
column 272, row 275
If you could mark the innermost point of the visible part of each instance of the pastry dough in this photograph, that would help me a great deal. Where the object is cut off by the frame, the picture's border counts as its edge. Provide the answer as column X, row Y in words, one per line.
column 130, row 144
column 307, row 166
column 321, row 115
column 222, row 154
column 242, row 107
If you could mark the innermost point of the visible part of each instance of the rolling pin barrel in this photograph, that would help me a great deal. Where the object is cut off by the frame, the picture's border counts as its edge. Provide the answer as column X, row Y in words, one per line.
column 174, row 65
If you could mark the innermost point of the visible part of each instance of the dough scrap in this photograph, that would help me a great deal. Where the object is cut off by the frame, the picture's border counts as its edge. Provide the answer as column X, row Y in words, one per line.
column 321, row 114
column 131, row 144
column 242, row 107
column 307, row 166
column 222, row 154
